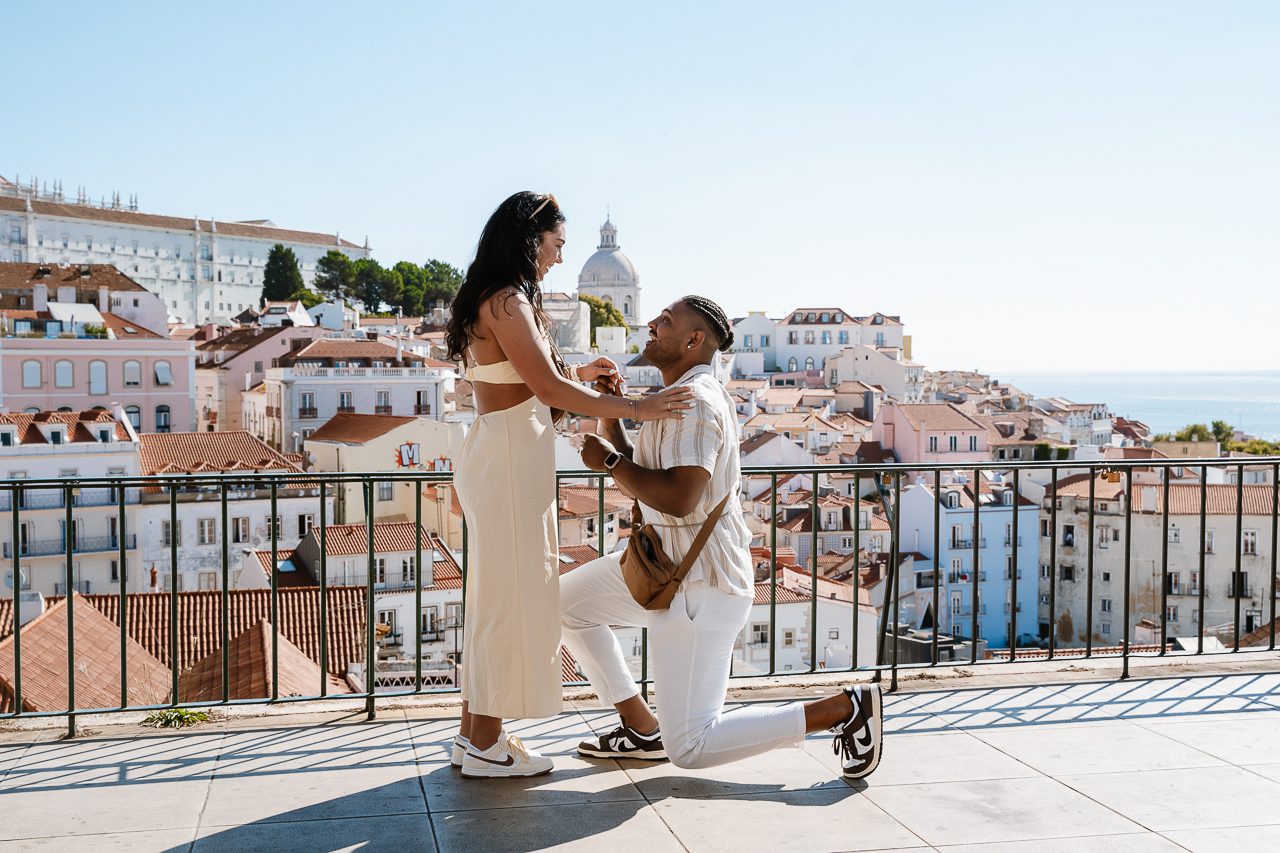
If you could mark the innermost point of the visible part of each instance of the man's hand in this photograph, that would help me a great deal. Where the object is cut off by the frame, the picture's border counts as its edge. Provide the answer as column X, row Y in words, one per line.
column 594, row 450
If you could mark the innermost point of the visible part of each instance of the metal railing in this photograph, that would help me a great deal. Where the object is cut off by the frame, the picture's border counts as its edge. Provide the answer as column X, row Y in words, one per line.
column 82, row 545
column 887, row 644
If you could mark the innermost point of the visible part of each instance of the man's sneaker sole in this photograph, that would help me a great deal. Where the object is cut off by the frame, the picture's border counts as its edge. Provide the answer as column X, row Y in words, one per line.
column 639, row 754
column 877, row 739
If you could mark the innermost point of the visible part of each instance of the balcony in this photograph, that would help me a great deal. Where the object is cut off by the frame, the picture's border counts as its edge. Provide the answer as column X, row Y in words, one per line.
column 961, row 544
column 1009, row 542
column 346, row 409
column 382, row 410
column 48, row 499
column 84, row 545
column 1071, row 766
column 308, row 413
column 422, row 408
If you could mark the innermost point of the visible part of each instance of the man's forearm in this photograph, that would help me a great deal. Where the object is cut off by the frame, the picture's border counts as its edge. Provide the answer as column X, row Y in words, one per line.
column 613, row 432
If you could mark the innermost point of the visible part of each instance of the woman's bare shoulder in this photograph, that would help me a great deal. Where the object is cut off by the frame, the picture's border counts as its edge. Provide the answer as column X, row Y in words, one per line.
column 506, row 304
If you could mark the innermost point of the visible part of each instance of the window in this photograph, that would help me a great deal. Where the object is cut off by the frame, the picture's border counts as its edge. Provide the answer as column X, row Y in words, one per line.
column 385, row 491
column 793, row 337
column 1105, row 628
column 1068, row 535
column 410, row 568
column 808, row 363
column 164, row 375
column 1105, row 605
column 1171, row 613
column 1249, row 543
column 56, row 436
column 808, row 337
column 973, row 443
column 206, row 531
column 1208, row 541
column 206, row 252
column 134, row 414
column 843, row 337
column 305, row 522
column 1068, row 573
column 133, row 374
column 97, row 377
column 6, row 438
column 792, row 364
column 1106, row 577
column 383, row 400
column 933, row 444
column 826, row 337
column 746, row 341
column 64, row 375
column 344, row 402
column 169, row 535
column 381, row 568
column 430, row 619
column 162, row 419
column 1175, row 535
column 115, row 570
column 31, row 377
column 1044, row 528
column 760, row 634
column 788, row 638
column 1044, row 571
column 953, row 443
column 764, row 340
column 276, row 528
column 240, row 529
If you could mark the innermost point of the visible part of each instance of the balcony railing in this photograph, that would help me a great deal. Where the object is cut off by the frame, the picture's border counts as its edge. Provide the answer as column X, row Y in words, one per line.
column 422, row 408
column 898, row 642
column 346, row 409
column 382, row 410
column 82, row 587
column 968, row 543
column 308, row 412
column 83, row 545
column 57, row 500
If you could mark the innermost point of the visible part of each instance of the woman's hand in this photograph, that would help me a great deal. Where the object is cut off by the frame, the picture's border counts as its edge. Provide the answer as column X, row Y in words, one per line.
column 670, row 403
column 601, row 368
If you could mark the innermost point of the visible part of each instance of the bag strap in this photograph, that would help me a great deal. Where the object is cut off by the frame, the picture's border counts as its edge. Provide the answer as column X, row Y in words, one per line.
column 701, row 540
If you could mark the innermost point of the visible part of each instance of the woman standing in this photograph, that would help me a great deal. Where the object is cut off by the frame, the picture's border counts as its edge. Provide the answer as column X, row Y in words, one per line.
column 506, row 480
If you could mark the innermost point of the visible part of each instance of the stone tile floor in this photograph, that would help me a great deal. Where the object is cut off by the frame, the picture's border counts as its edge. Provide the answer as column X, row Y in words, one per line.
column 1159, row 762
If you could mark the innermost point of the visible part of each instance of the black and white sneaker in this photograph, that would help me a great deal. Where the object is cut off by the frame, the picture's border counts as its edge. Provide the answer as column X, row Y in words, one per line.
column 858, row 740
column 625, row 742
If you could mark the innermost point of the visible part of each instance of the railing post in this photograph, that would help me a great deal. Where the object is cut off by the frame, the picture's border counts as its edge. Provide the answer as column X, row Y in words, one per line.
column 976, row 568
column 1275, row 546
column 324, row 594
column 274, row 522
column 894, row 552
column 937, row 565
column 813, row 578
column 175, row 666
column 857, row 565
column 1128, row 565
column 1204, row 495
column 1088, row 612
column 1013, row 569
column 122, row 559
column 1053, row 562
column 1237, row 581
column 773, row 573
column 16, row 510
column 370, row 709
column 1164, row 564
column 69, row 537
column 224, row 597
column 417, row 584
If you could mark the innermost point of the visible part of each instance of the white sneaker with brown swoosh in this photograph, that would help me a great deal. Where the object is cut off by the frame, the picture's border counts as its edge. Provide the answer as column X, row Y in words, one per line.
column 506, row 758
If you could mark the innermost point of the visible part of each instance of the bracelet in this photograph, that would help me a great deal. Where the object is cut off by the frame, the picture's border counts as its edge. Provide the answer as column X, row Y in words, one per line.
column 635, row 409
column 573, row 373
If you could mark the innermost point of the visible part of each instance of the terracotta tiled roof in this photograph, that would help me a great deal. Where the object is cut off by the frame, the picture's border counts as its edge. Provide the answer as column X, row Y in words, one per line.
column 349, row 540
column 81, row 426
column 757, row 441
column 1220, row 499
column 573, row 556
column 583, row 501
column 200, row 621
column 296, row 578
column 127, row 330
column 355, row 428
column 938, row 416
column 97, row 650
column 207, row 452
column 1078, row 486
column 234, row 342
column 785, row 595
column 173, row 223
column 810, row 316
column 249, row 660
column 352, row 348
column 23, row 276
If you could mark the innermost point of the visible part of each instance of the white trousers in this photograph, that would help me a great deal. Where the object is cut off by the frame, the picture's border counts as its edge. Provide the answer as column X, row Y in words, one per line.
column 692, row 649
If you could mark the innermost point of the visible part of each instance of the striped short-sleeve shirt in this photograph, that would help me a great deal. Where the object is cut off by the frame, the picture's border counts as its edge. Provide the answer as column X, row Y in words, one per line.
column 707, row 438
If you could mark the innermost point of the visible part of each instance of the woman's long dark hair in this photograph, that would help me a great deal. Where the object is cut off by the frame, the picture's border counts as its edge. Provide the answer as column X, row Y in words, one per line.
column 506, row 256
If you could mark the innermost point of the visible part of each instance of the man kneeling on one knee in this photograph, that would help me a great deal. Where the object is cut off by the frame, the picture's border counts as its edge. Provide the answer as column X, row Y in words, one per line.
column 680, row 471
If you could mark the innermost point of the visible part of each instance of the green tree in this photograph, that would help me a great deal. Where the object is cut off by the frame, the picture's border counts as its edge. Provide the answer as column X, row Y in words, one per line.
column 1223, row 432
column 335, row 275
column 281, row 278
column 413, row 280
column 375, row 285
column 308, row 297
column 1194, row 432
column 602, row 314
column 441, row 283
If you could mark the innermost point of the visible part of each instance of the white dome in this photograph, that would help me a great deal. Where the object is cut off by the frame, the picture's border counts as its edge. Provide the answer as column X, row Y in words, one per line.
column 608, row 266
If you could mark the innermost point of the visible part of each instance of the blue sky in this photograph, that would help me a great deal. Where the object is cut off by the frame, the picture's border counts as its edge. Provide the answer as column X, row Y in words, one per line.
column 1032, row 185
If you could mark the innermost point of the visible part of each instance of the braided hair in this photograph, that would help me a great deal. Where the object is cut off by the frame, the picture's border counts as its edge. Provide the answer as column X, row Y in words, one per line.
column 715, row 317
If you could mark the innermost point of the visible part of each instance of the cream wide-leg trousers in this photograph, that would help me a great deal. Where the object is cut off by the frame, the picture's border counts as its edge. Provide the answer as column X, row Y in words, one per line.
column 506, row 481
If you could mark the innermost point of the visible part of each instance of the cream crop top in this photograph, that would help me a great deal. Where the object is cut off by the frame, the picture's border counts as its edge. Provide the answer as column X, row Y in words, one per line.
column 497, row 373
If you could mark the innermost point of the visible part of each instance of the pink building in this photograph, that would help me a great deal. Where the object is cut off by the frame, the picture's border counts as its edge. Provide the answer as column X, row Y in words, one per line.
column 72, row 339
column 930, row 434
column 236, row 361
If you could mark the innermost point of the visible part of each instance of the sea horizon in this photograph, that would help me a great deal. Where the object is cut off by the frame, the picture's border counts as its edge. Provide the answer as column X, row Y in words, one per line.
column 1167, row 400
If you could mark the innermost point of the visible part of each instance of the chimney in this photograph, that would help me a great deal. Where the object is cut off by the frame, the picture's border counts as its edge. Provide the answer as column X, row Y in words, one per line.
column 40, row 296
column 32, row 604
column 399, row 348
column 104, row 299
column 248, row 380
column 1148, row 499
column 155, row 580
column 85, row 271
